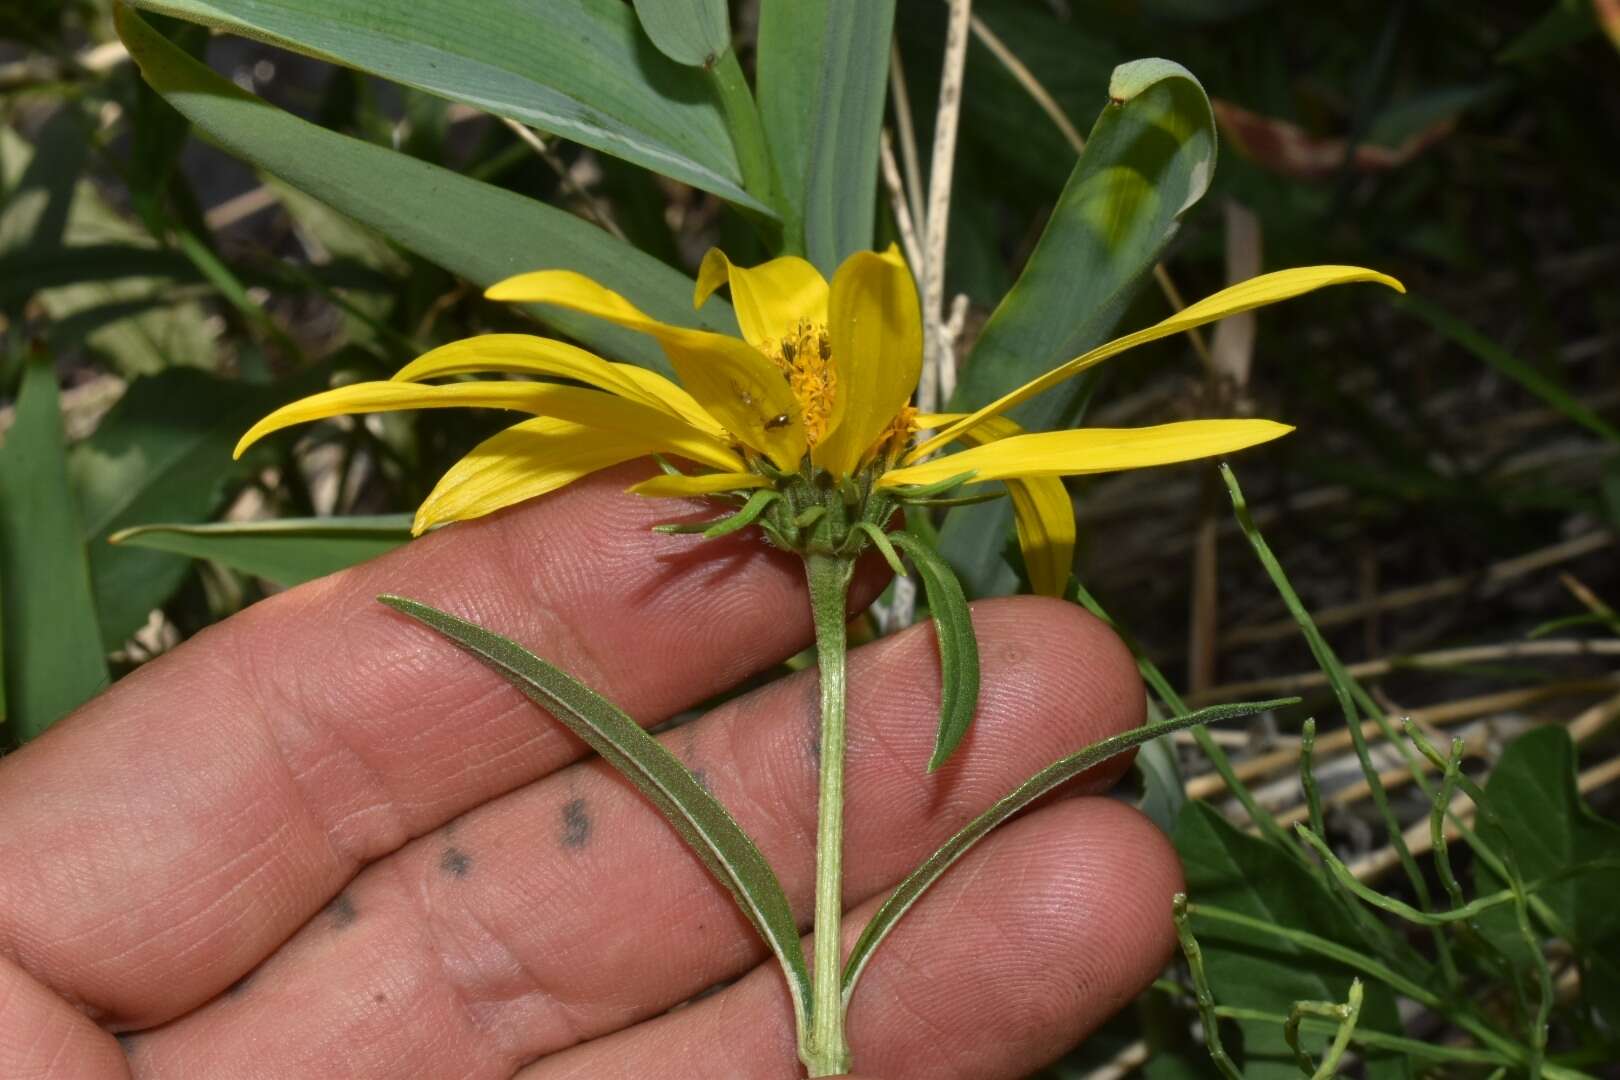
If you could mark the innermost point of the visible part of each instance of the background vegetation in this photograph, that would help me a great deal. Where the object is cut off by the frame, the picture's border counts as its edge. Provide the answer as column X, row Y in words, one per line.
column 1449, row 512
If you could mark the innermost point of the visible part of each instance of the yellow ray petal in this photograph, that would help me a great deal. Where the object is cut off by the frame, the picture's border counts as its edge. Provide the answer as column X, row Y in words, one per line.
column 1244, row 296
column 1042, row 510
column 875, row 327
column 592, row 408
column 526, row 354
column 1091, row 450
column 525, row 460
column 770, row 298
column 679, row 487
column 733, row 382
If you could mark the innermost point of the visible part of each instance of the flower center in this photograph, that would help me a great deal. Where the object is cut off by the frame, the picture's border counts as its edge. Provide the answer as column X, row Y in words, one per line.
column 804, row 354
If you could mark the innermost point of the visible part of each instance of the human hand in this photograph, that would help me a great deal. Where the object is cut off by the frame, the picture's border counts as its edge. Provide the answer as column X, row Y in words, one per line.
column 319, row 841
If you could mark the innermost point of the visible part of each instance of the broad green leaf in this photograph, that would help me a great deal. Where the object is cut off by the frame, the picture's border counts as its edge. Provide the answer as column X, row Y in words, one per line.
column 1059, row 772
column 1150, row 156
column 787, row 82
column 288, row 551
column 163, row 454
column 478, row 231
column 840, row 172
column 690, row 32
column 700, row 819
column 1248, row 968
column 1534, row 812
column 53, row 656
column 958, row 648
column 577, row 68
column 1542, row 384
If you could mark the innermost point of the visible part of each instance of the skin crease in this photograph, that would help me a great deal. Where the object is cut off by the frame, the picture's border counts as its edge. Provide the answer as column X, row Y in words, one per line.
column 317, row 840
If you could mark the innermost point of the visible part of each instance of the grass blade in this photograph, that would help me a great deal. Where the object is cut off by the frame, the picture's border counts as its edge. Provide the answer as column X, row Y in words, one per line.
column 1544, row 386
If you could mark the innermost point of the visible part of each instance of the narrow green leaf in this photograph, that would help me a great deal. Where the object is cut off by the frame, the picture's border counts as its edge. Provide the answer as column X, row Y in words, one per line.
column 958, row 648
column 700, row 818
column 690, row 32
column 163, row 454
column 578, row 68
column 1544, row 386
column 755, row 506
column 840, row 172
column 1059, row 772
column 53, row 657
column 478, row 231
column 1150, row 156
column 288, row 551
column 1164, row 791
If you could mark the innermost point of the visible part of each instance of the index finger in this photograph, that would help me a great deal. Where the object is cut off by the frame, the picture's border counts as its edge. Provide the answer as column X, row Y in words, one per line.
column 189, row 820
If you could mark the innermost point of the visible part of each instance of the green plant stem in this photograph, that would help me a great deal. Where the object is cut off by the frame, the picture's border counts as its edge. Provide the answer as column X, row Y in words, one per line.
column 827, row 1052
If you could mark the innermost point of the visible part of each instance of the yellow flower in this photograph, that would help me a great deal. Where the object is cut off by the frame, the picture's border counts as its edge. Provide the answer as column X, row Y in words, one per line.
column 811, row 405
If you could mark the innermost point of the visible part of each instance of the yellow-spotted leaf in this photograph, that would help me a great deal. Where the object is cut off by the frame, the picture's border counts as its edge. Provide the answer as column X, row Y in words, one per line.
column 770, row 298
column 1245, row 296
column 614, row 416
column 526, row 354
column 730, row 378
column 875, row 327
column 1091, row 450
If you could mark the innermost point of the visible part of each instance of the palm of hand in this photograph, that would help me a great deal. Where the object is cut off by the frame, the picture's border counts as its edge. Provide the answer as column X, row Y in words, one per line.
column 317, row 841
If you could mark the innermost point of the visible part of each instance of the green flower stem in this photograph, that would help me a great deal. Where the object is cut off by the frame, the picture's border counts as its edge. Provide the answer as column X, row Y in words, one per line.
column 827, row 1052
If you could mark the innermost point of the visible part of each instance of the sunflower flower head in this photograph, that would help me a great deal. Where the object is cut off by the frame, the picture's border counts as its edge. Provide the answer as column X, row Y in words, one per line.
column 801, row 424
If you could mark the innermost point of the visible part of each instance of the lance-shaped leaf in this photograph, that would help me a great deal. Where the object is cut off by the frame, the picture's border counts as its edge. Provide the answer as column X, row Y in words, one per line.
column 288, row 551
column 1149, row 157
column 53, row 658
column 577, row 68
column 958, row 648
column 839, row 196
column 1059, row 772
column 476, row 230
column 698, row 816
column 690, row 32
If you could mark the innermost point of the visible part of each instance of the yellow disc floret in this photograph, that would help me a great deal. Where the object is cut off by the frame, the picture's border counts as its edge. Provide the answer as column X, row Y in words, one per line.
column 805, row 356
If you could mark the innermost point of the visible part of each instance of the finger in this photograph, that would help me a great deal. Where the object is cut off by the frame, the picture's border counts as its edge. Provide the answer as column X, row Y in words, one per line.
column 1032, row 941
column 570, row 909
column 44, row 1037
column 189, row 820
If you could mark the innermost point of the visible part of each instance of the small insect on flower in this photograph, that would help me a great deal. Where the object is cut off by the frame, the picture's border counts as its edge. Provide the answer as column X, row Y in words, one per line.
column 810, row 403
